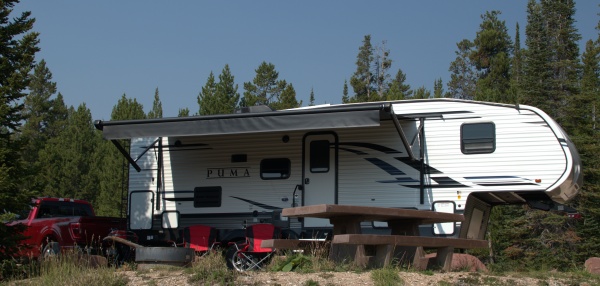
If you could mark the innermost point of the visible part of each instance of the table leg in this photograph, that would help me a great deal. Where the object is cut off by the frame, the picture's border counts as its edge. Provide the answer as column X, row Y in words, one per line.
column 419, row 260
column 345, row 226
column 347, row 253
column 444, row 258
column 410, row 254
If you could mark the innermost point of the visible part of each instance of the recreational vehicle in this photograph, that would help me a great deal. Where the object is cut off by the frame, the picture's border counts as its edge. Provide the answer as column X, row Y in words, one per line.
column 231, row 171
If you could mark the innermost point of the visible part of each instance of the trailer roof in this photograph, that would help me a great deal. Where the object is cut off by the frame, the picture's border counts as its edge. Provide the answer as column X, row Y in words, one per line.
column 341, row 116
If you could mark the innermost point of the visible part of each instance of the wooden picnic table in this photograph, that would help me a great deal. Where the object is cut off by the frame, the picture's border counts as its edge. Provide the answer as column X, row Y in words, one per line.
column 346, row 219
column 401, row 243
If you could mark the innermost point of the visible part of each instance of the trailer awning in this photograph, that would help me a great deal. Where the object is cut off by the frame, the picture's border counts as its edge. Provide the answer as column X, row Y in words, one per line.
column 290, row 120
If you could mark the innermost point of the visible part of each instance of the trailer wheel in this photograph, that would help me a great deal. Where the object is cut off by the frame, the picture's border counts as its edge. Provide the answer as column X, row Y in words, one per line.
column 234, row 261
column 238, row 262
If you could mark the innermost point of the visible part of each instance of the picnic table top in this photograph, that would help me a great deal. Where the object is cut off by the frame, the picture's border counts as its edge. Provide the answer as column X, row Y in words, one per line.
column 367, row 213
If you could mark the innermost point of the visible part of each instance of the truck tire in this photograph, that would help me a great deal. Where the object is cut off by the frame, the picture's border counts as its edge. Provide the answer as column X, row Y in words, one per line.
column 50, row 250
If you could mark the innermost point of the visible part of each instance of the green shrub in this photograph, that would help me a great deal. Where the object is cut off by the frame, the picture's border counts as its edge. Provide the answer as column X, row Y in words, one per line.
column 211, row 269
column 386, row 276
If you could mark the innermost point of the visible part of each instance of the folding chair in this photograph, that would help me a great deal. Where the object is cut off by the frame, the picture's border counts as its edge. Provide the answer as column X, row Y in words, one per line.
column 201, row 238
column 250, row 255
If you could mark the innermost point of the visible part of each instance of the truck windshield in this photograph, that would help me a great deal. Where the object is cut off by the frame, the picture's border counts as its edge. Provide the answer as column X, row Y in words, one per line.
column 63, row 209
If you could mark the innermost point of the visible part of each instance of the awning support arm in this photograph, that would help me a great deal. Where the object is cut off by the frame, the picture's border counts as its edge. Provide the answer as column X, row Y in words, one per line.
column 147, row 148
column 127, row 156
column 422, row 159
column 402, row 134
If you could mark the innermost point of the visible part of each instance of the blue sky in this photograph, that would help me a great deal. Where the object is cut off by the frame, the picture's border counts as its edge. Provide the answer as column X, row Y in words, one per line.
column 99, row 50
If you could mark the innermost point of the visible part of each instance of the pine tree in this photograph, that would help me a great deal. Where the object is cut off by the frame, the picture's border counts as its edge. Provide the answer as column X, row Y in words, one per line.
column 183, row 112
column 70, row 160
column 345, row 97
column 463, row 78
column 422, row 93
column 564, row 54
column 226, row 93
column 381, row 75
column 491, row 53
column 394, row 92
column 362, row 79
column 516, row 69
column 438, row 88
column 207, row 99
column 19, row 45
column 312, row 97
column 287, row 99
column 535, row 80
column 398, row 89
column 265, row 88
column 46, row 117
column 157, row 111
column 586, row 137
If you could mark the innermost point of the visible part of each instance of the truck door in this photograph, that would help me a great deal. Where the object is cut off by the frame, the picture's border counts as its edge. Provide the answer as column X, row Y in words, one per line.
column 320, row 173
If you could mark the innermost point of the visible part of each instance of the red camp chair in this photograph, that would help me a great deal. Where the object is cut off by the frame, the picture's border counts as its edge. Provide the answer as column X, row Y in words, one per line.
column 250, row 255
column 201, row 238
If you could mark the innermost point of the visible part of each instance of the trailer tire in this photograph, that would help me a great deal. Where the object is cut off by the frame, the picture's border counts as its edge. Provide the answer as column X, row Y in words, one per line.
column 233, row 260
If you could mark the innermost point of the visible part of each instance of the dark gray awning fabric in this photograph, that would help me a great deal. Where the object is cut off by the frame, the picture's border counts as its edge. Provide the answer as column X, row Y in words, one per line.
column 310, row 119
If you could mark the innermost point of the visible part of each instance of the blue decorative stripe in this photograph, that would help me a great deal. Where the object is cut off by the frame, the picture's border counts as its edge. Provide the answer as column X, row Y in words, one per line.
column 417, row 165
column 385, row 166
column 506, row 184
column 371, row 146
column 357, row 152
column 434, row 186
column 497, row 181
column 399, row 180
column 268, row 207
column 492, row 177
column 446, row 181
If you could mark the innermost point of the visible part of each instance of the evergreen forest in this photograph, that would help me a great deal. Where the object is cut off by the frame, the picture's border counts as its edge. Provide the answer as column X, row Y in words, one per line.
column 50, row 149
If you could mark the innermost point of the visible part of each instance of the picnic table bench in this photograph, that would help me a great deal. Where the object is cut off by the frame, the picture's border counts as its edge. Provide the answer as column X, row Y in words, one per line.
column 404, row 240
column 385, row 245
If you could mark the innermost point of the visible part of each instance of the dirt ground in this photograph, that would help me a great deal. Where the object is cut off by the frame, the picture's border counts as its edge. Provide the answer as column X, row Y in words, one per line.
column 178, row 277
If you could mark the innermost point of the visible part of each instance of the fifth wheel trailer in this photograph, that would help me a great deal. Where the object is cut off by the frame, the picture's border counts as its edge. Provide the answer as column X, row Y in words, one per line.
column 230, row 171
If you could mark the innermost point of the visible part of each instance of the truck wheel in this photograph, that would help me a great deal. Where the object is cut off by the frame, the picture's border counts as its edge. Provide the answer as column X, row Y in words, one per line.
column 50, row 250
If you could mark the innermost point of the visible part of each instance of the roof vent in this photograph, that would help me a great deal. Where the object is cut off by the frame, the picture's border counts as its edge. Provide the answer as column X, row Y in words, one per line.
column 254, row 109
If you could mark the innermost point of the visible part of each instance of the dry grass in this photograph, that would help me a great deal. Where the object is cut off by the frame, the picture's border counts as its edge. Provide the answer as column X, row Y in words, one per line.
column 312, row 268
column 69, row 269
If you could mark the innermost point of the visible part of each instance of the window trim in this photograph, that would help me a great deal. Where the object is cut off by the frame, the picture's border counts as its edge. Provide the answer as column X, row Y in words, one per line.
column 280, row 162
column 481, row 139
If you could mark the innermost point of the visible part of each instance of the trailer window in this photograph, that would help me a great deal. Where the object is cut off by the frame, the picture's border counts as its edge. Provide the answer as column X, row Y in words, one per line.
column 478, row 138
column 319, row 156
column 207, row 197
column 274, row 169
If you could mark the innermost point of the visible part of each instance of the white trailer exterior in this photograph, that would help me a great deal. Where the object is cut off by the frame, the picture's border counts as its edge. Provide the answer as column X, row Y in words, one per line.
column 228, row 171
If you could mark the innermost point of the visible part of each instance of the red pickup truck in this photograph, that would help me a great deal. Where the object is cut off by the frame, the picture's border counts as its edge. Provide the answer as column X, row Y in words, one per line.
column 57, row 223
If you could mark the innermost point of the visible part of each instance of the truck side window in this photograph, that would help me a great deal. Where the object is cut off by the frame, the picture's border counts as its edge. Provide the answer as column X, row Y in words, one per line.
column 478, row 138
column 44, row 212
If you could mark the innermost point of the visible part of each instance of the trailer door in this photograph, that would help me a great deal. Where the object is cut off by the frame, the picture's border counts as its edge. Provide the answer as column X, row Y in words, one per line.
column 320, row 173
